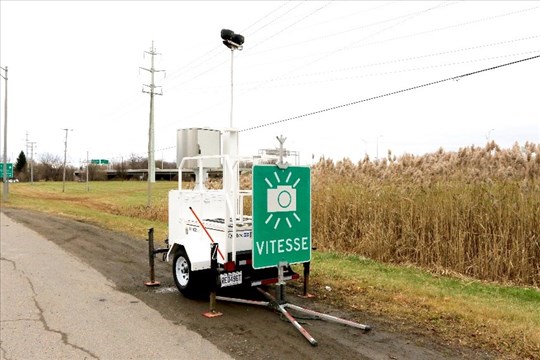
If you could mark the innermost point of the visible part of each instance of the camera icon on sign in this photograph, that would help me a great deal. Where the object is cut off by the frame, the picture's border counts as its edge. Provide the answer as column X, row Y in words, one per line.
column 281, row 199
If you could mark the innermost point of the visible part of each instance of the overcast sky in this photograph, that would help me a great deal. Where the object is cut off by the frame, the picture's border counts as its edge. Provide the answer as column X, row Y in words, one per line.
column 75, row 65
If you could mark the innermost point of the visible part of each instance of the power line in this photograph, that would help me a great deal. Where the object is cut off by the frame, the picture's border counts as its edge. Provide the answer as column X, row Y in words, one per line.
column 326, row 36
column 399, row 60
column 458, row 77
column 192, row 66
column 290, row 25
column 383, row 73
column 245, row 30
column 215, row 51
column 408, row 17
column 471, row 22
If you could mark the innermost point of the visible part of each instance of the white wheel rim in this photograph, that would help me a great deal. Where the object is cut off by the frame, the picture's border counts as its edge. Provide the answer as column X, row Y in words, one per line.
column 182, row 271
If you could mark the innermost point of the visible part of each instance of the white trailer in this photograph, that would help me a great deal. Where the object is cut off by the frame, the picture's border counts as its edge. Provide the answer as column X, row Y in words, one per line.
column 199, row 217
column 211, row 241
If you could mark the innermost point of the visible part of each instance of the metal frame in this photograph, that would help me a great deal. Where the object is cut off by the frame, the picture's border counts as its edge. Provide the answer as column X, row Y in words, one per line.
column 278, row 303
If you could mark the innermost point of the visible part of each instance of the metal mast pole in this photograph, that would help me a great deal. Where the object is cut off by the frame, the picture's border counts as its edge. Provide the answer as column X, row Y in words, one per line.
column 5, row 177
column 232, row 61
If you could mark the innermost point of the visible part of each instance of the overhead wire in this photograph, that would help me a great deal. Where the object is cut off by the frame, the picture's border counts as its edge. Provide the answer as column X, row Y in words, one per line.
column 337, row 107
column 193, row 65
column 326, row 36
column 290, row 25
column 286, row 75
column 246, row 85
column 408, row 17
column 386, row 40
column 273, row 20
column 457, row 77
column 268, row 38
column 210, row 55
column 471, row 22
column 400, row 60
column 260, row 28
column 399, row 71
column 215, row 50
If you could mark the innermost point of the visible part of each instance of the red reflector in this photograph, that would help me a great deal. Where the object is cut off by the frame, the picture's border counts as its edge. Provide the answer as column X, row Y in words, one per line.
column 269, row 281
column 229, row 266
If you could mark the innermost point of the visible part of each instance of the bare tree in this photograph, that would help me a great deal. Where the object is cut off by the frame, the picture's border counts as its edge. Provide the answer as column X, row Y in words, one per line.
column 137, row 162
column 49, row 168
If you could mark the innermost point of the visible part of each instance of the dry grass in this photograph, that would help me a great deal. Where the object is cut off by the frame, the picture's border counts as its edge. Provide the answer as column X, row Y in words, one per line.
column 475, row 212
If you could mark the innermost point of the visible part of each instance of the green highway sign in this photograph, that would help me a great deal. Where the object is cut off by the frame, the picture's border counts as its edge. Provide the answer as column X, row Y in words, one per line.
column 281, row 215
column 99, row 161
column 9, row 170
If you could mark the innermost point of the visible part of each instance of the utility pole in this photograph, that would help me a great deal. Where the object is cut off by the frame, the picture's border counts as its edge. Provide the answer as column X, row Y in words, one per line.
column 27, row 144
column 65, row 157
column 31, row 143
column 4, row 176
column 151, row 148
column 87, row 168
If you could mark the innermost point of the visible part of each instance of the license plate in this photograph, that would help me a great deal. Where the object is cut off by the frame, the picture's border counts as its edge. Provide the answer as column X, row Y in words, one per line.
column 231, row 279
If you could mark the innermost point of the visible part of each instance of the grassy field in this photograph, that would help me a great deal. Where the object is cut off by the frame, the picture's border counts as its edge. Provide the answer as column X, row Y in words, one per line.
column 455, row 308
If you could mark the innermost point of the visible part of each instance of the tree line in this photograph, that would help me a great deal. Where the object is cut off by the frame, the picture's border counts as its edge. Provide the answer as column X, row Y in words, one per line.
column 50, row 167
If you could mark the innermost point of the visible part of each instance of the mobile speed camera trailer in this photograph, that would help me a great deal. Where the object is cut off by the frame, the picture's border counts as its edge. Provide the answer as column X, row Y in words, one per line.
column 212, row 244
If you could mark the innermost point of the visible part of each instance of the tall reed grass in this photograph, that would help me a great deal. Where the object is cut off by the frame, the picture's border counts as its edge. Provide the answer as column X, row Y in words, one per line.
column 474, row 212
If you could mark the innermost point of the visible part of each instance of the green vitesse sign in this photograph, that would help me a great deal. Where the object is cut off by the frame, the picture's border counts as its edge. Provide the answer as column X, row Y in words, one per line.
column 9, row 167
column 281, row 215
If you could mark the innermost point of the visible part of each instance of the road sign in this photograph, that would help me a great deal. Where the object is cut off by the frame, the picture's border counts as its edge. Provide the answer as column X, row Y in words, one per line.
column 281, row 215
column 9, row 170
column 99, row 161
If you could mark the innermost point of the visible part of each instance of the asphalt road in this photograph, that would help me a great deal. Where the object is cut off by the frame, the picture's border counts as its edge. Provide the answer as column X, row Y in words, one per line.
column 53, row 306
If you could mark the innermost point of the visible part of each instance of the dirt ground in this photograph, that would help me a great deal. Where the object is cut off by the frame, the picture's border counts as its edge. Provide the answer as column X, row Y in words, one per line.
column 244, row 331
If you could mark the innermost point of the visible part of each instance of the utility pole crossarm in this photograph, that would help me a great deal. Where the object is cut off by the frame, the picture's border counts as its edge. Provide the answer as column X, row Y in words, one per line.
column 152, row 87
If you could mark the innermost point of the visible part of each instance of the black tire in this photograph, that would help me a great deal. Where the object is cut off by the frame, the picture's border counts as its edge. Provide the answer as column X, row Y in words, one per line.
column 192, row 284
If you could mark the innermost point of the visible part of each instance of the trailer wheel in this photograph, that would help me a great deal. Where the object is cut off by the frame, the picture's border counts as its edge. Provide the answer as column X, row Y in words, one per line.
column 192, row 284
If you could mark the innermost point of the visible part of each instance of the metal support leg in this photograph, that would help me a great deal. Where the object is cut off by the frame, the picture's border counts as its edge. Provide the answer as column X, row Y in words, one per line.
column 151, row 255
column 280, row 285
column 278, row 303
column 328, row 317
column 281, row 308
column 305, row 293
column 213, row 269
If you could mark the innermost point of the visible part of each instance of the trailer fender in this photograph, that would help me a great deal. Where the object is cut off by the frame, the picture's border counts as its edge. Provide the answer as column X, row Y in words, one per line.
column 199, row 256
column 172, row 250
